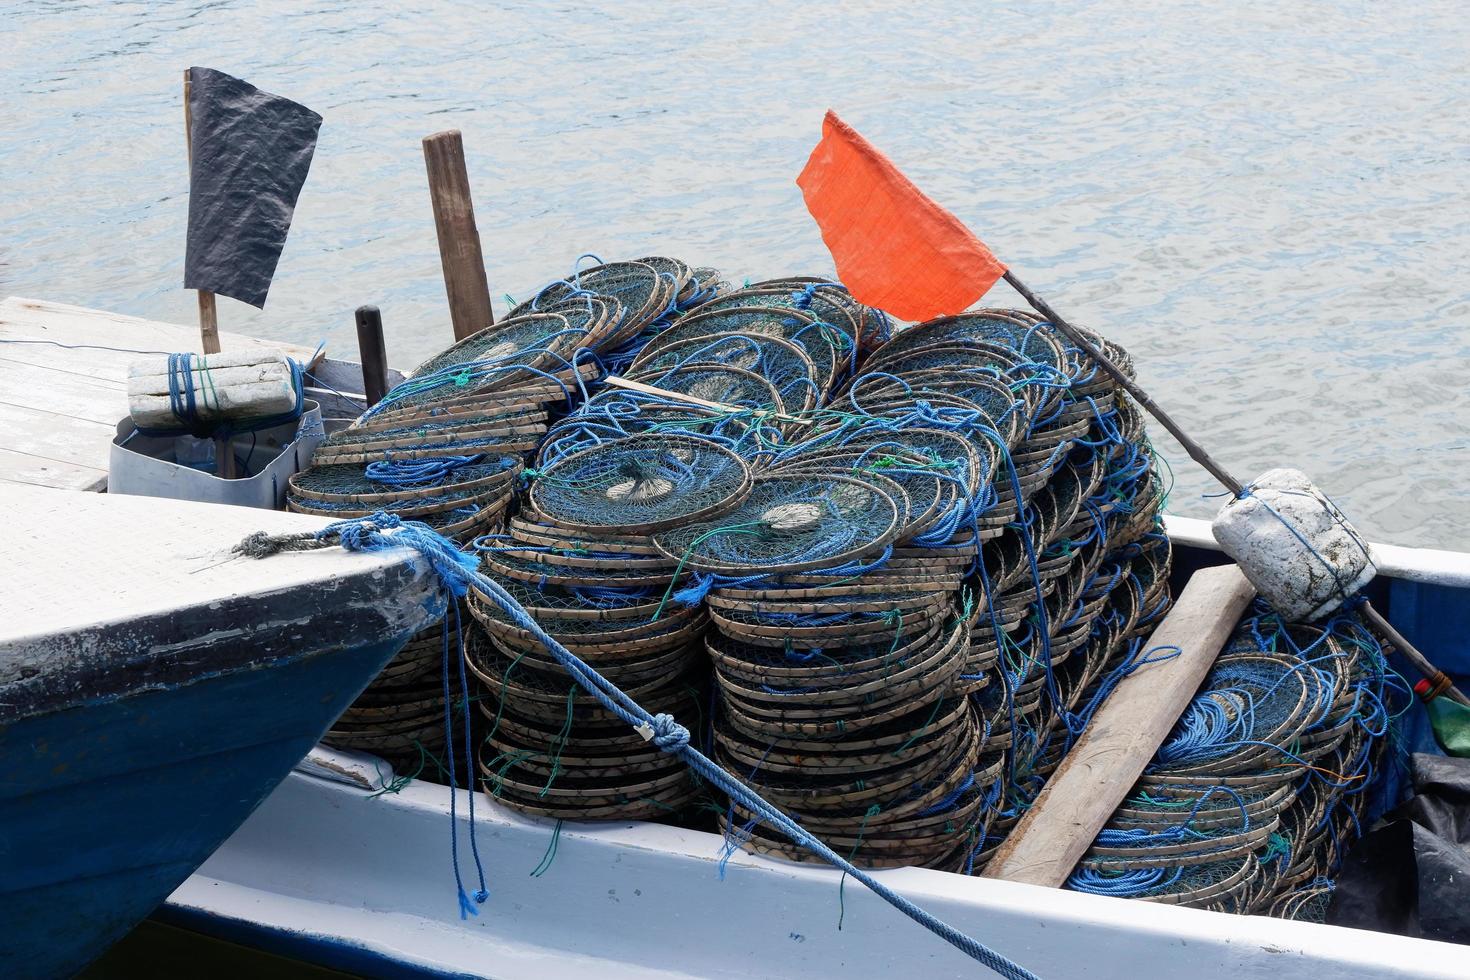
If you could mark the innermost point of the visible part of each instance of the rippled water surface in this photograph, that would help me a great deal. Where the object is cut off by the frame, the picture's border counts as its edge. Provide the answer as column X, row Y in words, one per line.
column 1267, row 203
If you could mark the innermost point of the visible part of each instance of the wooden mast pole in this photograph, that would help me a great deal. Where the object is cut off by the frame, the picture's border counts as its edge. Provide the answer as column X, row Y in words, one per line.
column 208, row 317
column 224, row 453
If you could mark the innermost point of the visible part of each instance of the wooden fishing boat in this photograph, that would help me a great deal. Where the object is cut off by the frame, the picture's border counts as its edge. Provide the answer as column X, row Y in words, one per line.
column 153, row 690
column 332, row 872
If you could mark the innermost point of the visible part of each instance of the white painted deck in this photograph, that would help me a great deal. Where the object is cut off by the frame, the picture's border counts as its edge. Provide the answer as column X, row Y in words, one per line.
column 59, row 406
column 76, row 560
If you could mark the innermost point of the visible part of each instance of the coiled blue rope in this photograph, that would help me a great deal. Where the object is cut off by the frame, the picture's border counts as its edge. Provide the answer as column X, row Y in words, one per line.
column 459, row 572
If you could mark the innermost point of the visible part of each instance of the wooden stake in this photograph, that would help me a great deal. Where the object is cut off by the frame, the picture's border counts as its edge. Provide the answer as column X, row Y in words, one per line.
column 372, row 353
column 208, row 317
column 1096, row 775
column 629, row 385
column 459, row 238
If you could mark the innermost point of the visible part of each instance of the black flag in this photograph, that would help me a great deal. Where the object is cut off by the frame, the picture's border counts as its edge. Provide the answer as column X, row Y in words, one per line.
column 250, row 152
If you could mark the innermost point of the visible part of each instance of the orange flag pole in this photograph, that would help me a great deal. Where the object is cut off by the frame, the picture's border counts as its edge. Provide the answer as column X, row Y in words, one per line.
column 897, row 250
column 1195, row 450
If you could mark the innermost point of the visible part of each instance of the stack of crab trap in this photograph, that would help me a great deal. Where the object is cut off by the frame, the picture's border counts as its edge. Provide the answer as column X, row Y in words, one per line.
column 884, row 578
column 1250, row 803
column 447, row 447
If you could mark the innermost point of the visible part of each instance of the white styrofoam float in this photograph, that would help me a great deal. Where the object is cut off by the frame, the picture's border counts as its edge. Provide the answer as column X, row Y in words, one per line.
column 1294, row 545
column 237, row 384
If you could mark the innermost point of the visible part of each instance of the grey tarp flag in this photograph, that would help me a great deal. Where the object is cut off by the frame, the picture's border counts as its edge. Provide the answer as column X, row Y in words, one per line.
column 250, row 152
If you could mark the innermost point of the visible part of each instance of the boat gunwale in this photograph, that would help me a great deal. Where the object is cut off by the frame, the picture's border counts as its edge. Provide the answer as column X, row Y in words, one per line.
column 1429, row 566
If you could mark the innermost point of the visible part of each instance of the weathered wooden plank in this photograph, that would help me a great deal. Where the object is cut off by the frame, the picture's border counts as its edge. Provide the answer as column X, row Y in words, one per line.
column 86, row 362
column 60, row 400
column 50, row 435
column 23, row 468
column 1123, row 736
column 94, row 399
column 459, row 238
column 32, row 319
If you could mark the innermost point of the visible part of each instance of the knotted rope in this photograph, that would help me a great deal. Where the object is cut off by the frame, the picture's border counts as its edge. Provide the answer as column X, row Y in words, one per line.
column 458, row 572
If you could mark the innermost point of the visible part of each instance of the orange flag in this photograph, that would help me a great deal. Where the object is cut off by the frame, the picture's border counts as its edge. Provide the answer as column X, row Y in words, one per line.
column 894, row 248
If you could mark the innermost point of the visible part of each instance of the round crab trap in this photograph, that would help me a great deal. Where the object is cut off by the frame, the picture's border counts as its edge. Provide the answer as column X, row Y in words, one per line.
column 352, row 485
column 437, row 434
column 830, row 301
column 722, row 386
column 341, row 447
column 510, row 562
column 641, row 290
column 793, row 666
column 788, row 523
column 825, row 346
column 841, row 321
column 641, row 484
column 785, row 365
column 1010, row 329
column 530, row 340
column 615, row 413
column 536, row 348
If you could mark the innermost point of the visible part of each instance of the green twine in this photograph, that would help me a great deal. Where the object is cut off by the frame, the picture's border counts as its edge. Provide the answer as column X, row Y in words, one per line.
column 396, row 784
column 1277, row 845
column 550, row 855
column 684, row 559
column 919, row 734
column 559, row 743
column 206, row 387
column 873, row 811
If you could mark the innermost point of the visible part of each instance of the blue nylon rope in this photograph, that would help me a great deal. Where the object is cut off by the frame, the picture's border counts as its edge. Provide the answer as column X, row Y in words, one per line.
column 459, row 571
column 412, row 472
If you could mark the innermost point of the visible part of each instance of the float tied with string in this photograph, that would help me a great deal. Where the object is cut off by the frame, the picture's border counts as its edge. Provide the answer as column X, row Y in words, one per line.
column 215, row 397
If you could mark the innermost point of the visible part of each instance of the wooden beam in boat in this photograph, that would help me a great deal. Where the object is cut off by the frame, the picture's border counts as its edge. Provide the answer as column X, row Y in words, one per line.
column 1096, row 775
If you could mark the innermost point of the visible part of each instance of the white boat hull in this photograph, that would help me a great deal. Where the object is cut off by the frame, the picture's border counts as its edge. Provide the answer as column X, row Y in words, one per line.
column 335, row 874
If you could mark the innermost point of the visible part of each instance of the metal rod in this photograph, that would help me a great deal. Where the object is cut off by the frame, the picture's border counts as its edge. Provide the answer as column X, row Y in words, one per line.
column 1195, row 450
column 372, row 353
